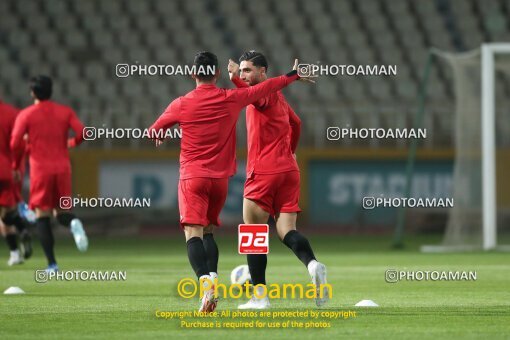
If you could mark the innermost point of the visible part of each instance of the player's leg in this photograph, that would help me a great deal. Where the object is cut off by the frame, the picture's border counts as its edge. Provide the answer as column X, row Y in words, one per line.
column 7, row 204
column 43, row 226
column 10, row 236
column 193, row 204
column 286, row 208
column 13, row 218
column 217, row 197
column 286, row 205
column 286, row 229
column 24, row 235
column 257, row 263
column 211, row 250
column 198, row 259
column 69, row 220
column 21, row 223
column 66, row 217
column 196, row 250
column 254, row 214
column 193, row 197
column 41, row 199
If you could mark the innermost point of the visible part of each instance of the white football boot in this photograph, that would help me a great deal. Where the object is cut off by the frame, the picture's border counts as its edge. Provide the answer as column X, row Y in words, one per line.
column 15, row 258
column 318, row 273
column 209, row 302
column 80, row 238
column 257, row 302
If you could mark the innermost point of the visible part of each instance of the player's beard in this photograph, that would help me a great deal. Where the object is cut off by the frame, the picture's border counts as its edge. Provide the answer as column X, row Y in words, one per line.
column 255, row 81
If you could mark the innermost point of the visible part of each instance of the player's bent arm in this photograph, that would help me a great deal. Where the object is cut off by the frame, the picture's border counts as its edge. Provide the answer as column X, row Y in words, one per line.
column 24, row 147
column 249, row 95
column 17, row 141
column 78, row 128
column 238, row 82
column 295, row 128
column 170, row 117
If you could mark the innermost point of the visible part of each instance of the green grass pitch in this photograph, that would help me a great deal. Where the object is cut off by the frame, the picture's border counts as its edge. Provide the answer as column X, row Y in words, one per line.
column 356, row 266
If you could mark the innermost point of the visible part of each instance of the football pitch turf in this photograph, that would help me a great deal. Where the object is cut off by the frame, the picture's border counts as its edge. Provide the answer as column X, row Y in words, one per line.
column 356, row 270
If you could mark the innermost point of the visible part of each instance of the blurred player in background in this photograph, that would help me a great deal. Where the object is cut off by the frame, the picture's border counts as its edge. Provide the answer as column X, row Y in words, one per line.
column 207, row 116
column 10, row 192
column 272, row 175
column 47, row 125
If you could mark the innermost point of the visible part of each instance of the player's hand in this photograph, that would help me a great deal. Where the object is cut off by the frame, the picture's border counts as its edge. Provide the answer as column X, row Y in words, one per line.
column 16, row 176
column 158, row 142
column 233, row 69
column 294, row 155
column 71, row 143
column 305, row 79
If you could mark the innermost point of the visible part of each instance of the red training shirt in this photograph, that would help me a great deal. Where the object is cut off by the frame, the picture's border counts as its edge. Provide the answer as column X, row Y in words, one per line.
column 273, row 134
column 7, row 117
column 47, row 124
column 207, row 116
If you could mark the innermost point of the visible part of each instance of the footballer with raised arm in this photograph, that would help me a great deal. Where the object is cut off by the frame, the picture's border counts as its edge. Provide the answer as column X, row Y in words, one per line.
column 207, row 116
column 272, row 176
column 47, row 125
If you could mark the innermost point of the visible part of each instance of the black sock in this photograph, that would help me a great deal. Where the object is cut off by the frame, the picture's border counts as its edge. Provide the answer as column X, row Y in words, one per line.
column 46, row 237
column 257, row 264
column 211, row 250
column 65, row 219
column 197, row 256
column 13, row 218
column 300, row 246
column 11, row 241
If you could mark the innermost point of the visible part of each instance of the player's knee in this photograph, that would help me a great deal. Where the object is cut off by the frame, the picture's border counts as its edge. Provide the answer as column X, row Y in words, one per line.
column 282, row 231
column 65, row 218
column 193, row 231
column 254, row 218
column 209, row 229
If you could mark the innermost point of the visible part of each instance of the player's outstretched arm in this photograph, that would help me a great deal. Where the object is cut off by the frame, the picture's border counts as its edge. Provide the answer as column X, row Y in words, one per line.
column 168, row 118
column 249, row 95
column 245, row 96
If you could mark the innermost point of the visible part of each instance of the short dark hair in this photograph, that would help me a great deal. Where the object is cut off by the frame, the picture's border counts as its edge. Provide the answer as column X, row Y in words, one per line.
column 41, row 86
column 255, row 57
column 206, row 60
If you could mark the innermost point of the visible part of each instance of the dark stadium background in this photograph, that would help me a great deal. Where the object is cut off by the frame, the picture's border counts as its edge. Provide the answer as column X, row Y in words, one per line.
column 79, row 44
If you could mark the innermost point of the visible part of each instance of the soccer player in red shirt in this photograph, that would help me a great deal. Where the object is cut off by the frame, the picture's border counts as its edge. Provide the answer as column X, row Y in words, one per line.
column 47, row 125
column 10, row 192
column 272, row 175
column 207, row 116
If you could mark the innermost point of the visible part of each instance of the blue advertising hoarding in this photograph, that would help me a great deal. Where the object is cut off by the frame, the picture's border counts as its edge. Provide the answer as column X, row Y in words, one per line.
column 337, row 188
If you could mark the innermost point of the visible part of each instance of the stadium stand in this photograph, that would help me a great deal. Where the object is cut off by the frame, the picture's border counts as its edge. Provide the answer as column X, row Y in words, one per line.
column 80, row 42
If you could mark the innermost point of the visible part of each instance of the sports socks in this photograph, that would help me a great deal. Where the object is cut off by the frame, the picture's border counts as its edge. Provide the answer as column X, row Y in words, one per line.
column 257, row 264
column 211, row 251
column 197, row 256
column 13, row 218
column 46, row 237
column 11, row 240
column 65, row 219
column 300, row 246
